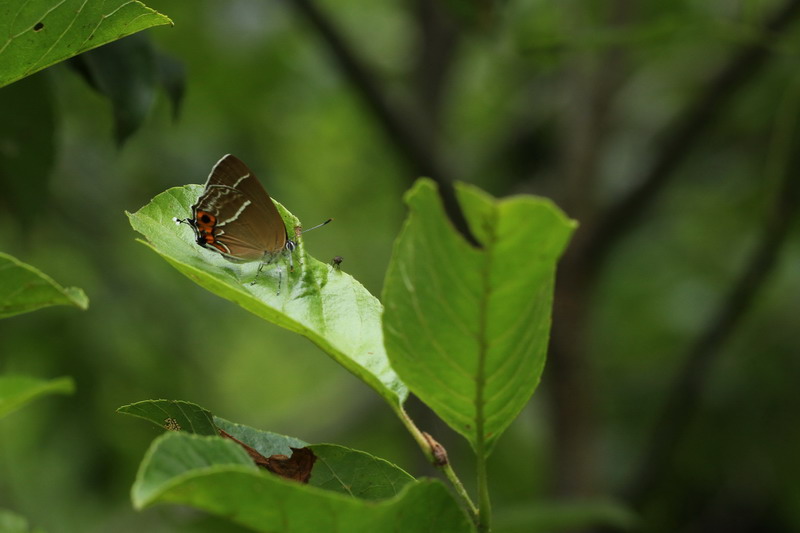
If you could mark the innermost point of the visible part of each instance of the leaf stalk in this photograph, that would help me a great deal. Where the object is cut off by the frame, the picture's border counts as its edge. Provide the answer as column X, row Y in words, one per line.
column 425, row 444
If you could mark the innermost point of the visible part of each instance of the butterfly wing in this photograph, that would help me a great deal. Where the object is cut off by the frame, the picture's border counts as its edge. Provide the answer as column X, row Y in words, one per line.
column 235, row 216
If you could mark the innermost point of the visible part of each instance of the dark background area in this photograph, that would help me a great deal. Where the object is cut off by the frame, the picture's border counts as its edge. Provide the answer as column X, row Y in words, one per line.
column 668, row 129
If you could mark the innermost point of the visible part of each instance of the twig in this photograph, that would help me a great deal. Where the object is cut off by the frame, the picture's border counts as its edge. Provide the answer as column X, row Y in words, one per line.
column 437, row 44
column 594, row 87
column 683, row 135
column 686, row 391
column 396, row 122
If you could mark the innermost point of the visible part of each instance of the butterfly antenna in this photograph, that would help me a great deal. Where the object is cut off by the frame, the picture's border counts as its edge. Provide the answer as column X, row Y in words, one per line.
column 317, row 226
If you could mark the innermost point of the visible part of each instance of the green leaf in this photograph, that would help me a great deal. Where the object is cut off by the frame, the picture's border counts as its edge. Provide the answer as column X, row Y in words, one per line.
column 173, row 415
column 337, row 468
column 40, row 33
column 325, row 305
column 16, row 391
column 24, row 288
column 176, row 456
column 215, row 475
column 356, row 473
column 467, row 329
column 264, row 442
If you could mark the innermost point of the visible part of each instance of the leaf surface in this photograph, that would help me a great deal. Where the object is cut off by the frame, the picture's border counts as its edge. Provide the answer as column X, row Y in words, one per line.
column 35, row 34
column 466, row 328
column 174, row 415
column 215, row 475
column 337, row 468
column 356, row 473
column 325, row 305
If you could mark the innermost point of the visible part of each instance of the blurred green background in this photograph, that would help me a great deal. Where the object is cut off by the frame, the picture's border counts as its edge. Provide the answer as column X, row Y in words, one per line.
column 526, row 96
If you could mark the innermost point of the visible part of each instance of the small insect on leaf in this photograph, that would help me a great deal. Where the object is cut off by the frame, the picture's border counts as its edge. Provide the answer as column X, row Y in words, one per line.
column 170, row 424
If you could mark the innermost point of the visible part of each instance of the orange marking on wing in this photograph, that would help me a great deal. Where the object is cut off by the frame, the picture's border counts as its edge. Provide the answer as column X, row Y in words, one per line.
column 205, row 222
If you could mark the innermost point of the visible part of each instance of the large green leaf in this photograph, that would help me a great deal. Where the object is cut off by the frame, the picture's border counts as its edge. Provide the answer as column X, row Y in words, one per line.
column 23, row 288
column 16, row 391
column 325, row 305
column 467, row 329
column 39, row 33
column 217, row 476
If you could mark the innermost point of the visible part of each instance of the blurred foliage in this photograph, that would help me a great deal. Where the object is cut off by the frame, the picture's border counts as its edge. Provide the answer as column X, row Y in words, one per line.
column 260, row 84
column 16, row 391
column 23, row 289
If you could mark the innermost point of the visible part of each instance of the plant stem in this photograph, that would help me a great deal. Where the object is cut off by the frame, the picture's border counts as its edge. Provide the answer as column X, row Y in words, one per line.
column 461, row 491
column 484, row 504
column 447, row 469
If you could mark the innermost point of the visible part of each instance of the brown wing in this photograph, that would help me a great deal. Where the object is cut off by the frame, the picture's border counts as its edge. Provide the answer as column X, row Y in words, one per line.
column 243, row 222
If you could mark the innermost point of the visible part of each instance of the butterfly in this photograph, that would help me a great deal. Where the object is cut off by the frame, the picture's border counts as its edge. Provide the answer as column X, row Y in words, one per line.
column 235, row 217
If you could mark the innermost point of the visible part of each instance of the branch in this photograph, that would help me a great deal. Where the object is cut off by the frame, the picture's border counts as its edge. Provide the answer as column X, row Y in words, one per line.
column 683, row 135
column 396, row 122
column 437, row 43
column 686, row 392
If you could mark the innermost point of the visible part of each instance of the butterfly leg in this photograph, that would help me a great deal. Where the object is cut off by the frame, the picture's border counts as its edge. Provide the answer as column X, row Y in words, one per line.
column 258, row 272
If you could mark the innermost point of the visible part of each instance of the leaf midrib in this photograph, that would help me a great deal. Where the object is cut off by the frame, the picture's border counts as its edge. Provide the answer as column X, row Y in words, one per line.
column 480, row 378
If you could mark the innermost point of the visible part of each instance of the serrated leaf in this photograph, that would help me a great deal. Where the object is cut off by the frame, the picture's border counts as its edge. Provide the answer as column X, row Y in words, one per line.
column 24, row 288
column 40, row 33
column 16, row 391
column 176, row 415
column 325, row 305
column 356, row 473
column 467, row 329
column 213, row 475
column 265, row 442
